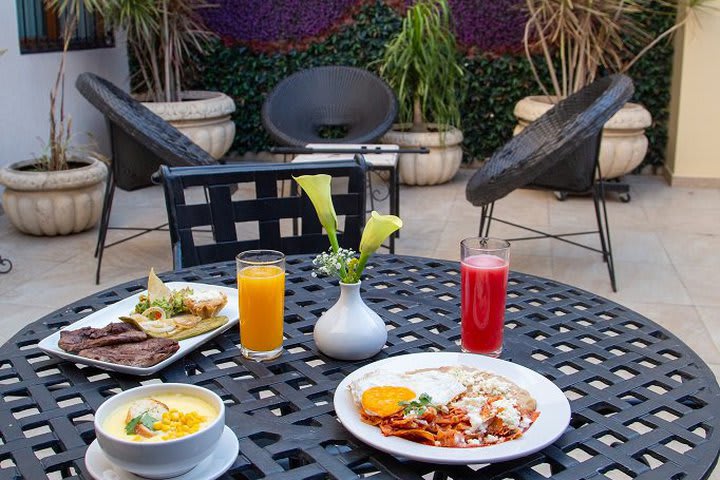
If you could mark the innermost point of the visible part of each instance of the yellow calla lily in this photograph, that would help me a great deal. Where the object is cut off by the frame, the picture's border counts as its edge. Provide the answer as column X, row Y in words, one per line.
column 318, row 189
column 378, row 228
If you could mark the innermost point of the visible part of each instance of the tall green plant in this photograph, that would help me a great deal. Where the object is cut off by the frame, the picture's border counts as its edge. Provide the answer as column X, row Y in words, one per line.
column 163, row 36
column 578, row 38
column 421, row 64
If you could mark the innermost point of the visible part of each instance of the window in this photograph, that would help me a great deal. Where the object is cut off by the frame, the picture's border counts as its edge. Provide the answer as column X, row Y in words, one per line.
column 40, row 29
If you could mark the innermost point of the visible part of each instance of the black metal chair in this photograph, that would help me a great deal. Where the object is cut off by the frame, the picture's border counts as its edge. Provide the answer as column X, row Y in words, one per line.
column 558, row 151
column 140, row 142
column 221, row 213
column 355, row 101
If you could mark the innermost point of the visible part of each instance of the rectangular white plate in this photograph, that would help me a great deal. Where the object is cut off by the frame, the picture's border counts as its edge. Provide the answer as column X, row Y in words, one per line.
column 113, row 312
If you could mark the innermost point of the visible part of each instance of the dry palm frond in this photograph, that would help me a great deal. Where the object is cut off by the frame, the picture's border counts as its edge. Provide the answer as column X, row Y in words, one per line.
column 579, row 37
column 162, row 34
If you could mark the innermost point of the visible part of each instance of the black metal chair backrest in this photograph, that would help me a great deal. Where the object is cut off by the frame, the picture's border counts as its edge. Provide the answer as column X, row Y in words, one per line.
column 569, row 133
column 204, row 226
column 348, row 98
column 141, row 140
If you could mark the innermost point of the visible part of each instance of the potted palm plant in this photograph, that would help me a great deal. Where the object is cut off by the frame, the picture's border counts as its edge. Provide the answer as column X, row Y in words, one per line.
column 163, row 36
column 579, row 39
column 422, row 66
column 60, row 191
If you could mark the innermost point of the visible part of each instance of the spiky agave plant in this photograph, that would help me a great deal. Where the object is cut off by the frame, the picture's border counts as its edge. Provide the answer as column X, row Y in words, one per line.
column 162, row 35
column 421, row 64
column 579, row 37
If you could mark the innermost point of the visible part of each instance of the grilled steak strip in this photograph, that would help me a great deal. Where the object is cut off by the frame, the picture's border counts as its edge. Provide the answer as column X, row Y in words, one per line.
column 74, row 341
column 137, row 354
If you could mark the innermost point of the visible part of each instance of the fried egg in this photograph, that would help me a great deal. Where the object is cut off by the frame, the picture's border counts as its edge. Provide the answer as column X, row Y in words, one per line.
column 380, row 392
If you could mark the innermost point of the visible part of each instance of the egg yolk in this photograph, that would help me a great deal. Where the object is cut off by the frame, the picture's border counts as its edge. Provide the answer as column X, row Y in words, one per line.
column 384, row 401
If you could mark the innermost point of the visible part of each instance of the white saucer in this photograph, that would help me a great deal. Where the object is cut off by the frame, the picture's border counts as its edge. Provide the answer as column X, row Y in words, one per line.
column 214, row 465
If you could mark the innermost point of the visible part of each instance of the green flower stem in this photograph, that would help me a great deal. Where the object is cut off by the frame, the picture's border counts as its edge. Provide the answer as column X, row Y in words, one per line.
column 360, row 267
column 332, row 236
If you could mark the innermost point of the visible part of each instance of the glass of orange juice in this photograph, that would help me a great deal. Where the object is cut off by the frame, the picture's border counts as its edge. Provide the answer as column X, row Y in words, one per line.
column 261, row 299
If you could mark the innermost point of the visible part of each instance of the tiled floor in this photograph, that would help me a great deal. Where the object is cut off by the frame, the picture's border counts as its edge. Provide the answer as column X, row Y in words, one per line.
column 666, row 243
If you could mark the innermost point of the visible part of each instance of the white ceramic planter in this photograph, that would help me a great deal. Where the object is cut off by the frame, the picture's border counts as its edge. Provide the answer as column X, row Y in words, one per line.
column 204, row 117
column 436, row 167
column 350, row 330
column 53, row 203
column 624, row 143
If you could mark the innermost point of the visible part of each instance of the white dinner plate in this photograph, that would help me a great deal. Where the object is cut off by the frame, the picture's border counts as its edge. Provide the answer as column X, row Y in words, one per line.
column 113, row 312
column 551, row 402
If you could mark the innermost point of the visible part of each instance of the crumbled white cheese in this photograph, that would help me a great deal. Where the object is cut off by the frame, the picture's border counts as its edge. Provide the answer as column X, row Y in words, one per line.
column 205, row 295
column 491, row 439
column 507, row 412
column 473, row 441
column 473, row 406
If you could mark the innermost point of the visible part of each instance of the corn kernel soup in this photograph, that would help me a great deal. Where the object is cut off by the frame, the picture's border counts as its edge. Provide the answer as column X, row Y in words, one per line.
column 185, row 415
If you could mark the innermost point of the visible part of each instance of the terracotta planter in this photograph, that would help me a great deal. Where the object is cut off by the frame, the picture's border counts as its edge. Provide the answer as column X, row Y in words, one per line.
column 53, row 203
column 204, row 117
column 624, row 143
column 439, row 166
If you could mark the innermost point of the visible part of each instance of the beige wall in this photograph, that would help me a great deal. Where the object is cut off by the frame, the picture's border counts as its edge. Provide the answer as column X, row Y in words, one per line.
column 693, row 155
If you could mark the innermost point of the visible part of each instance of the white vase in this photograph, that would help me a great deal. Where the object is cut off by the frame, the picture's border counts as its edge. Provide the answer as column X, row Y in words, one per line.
column 350, row 330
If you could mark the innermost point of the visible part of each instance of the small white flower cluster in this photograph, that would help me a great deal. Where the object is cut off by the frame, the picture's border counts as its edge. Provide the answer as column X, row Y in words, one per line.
column 335, row 264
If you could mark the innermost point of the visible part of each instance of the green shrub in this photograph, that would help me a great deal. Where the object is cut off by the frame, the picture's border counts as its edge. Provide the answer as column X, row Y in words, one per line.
column 494, row 83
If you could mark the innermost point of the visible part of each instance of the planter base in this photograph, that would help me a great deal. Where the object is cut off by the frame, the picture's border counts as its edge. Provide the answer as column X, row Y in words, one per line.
column 438, row 166
column 53, row 203
column 203, row 117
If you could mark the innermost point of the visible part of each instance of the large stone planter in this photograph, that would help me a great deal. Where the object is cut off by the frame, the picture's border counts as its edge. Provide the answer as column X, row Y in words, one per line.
column 438, row 166
column 53, row 203
column 202, row 116
column 624, row 143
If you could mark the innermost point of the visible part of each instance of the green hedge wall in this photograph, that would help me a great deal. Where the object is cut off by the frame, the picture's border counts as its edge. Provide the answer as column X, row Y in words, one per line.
column 494, row 83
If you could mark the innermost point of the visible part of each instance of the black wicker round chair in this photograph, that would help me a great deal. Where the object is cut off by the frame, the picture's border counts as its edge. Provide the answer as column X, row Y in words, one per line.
column 355, row 103
column 558, row 151
column 141, row 142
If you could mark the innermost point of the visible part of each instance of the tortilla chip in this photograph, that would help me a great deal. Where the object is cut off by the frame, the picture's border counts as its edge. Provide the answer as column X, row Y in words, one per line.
column 157, row 290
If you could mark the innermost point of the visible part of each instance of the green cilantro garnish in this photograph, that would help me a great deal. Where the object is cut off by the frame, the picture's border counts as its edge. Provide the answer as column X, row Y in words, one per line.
column 144, row 419
column 418, row 406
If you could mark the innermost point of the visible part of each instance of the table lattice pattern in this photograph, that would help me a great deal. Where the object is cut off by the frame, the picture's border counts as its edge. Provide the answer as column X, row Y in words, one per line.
column 644, row 405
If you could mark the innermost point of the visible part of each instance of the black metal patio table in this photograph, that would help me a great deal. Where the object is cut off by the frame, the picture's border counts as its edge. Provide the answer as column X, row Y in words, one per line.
column 644, row 405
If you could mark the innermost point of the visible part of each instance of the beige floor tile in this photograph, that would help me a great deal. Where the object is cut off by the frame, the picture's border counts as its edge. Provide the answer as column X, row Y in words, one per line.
column 421, row 235
column 627, row 245
column 710, row 316
column 685, row 220
column 692, row 249
column 637, row 282
column 24, row 270
column 649, row 191
column 701, row 282
column 684, row 322
column 58, row 249
column 579, row 212
column 455, row 231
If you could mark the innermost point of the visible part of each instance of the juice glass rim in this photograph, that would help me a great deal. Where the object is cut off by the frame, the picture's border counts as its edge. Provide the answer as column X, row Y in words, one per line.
column 499, row 244
column 280, row 257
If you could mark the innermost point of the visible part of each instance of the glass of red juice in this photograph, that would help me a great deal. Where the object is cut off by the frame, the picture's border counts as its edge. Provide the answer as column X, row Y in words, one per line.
column 484, row 270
